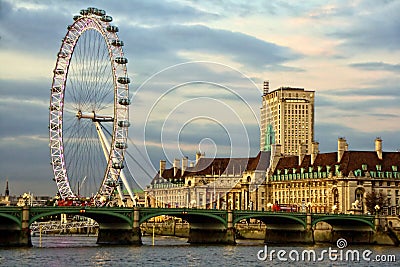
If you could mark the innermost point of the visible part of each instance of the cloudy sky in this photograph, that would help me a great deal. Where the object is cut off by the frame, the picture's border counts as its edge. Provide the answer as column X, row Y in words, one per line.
column 197, row 69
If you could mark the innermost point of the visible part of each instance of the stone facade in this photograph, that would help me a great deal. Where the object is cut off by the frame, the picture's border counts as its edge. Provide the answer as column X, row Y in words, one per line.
column 287, row 119
column 218, row 183
column 335, row 182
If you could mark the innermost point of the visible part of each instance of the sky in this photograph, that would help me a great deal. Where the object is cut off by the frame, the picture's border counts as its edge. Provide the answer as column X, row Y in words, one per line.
column 197, row 71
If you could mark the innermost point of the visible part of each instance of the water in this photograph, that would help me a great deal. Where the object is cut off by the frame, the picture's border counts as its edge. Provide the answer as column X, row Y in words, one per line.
column 168, row 251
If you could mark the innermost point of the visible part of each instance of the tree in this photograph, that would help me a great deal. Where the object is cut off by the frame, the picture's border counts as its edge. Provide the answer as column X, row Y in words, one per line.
column 373, row 199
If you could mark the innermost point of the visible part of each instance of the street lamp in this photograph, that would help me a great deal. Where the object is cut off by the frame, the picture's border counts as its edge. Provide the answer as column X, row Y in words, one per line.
column 309, row 206
column 334, row 208
column 377, row 208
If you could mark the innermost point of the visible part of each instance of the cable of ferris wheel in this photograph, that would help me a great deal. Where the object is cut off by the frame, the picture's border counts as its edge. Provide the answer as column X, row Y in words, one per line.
column 131, row 156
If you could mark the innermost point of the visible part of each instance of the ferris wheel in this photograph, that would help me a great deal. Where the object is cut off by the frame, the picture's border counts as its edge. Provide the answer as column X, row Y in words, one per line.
column 89, row 110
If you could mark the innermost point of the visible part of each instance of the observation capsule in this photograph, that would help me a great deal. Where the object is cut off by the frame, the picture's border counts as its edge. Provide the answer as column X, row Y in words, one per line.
column 121, row 60
column 106, row 18
column 100, row 12
column 117, row 43
column 124, row 101
column 124, row 123
column 112, row 28
column 123, row 80
column 118, row 165
column 76, row 17
column 91, row 9
column 56, row 162
column 63, row 54
column 84, row 12
column 110, row 183
column 121, row 145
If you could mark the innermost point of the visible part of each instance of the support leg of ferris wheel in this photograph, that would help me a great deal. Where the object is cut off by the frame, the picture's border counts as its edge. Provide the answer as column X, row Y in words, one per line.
column 106, row 149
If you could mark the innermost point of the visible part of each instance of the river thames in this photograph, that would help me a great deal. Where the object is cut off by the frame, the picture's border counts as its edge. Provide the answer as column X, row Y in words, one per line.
column 172, row 251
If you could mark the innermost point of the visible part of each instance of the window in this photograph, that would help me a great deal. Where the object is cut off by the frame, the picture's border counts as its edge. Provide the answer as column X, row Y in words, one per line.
column 364, row 167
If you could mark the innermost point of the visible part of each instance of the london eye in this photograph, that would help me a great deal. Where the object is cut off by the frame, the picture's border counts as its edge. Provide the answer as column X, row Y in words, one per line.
column 89, row 111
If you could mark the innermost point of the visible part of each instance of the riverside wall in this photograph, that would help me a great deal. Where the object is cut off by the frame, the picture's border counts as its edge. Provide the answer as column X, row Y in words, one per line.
column 322, row 232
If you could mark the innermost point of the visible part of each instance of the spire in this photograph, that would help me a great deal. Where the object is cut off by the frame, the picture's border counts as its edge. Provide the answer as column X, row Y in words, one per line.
column 7, row 191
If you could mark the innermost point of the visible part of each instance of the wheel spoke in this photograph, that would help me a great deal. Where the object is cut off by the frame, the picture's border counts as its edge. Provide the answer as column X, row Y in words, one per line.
column 85, row 91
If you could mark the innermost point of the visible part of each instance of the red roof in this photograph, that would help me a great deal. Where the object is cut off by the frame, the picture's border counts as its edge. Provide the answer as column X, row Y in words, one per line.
column 350, row 161
column 220, row 166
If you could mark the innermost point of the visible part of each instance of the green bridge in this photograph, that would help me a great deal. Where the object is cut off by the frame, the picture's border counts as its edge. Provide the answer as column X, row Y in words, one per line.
column 119, row 225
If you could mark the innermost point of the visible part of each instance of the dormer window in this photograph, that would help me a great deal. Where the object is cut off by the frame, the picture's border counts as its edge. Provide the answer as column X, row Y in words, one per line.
column 394, row 168
column 364, row 167
column 378, row 167
column 328, row 168
column 337, row 168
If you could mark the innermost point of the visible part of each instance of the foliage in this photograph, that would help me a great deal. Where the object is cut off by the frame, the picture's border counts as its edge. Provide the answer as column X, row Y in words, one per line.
column 373, row 200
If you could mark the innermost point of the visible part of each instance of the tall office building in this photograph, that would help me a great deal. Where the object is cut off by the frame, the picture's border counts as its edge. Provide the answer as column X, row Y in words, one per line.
column 287, row 118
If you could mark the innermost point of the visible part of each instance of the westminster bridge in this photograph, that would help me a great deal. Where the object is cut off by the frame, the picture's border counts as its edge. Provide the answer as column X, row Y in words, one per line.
column 121, row 225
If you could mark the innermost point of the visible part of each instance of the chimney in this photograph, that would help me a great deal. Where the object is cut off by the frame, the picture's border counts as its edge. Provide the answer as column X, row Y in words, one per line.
column 198, row 156
column 276, row 154
column 277, row 150
column 314, row 151
column 162, row 167
column 176, row 165
column 342, row 147
column 184, row 164
column 302, row 152
column 378, row 147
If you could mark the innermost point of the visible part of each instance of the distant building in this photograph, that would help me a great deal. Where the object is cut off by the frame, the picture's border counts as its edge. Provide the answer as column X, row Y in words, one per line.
column 5, row 200
column 287, row 119
column 336, row 181
column 211, row 183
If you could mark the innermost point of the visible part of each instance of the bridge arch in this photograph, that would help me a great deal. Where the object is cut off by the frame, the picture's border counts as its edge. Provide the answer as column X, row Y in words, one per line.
column 12, row 218
column 335, row 220
column 272, row 218
column 100, row 216
column 189, row 215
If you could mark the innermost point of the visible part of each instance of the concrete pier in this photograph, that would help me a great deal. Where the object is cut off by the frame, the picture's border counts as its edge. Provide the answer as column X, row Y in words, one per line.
column 119, row 237
column 212, row 236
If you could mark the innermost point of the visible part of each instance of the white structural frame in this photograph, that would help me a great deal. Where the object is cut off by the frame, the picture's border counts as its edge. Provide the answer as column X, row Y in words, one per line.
column 91, row 19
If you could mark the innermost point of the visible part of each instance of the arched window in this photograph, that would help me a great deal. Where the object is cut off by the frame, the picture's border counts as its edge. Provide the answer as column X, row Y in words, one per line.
column 359, row 193
column 335, row 195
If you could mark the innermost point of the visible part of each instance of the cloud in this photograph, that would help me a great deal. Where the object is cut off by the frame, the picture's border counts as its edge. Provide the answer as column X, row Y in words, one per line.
column 156, row 12
column 327, row 133
column 374, row 66
column 372, row 26
column 164, row 44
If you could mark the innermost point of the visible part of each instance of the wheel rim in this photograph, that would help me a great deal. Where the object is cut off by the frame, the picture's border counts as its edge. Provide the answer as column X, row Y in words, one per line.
column 90, row 87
